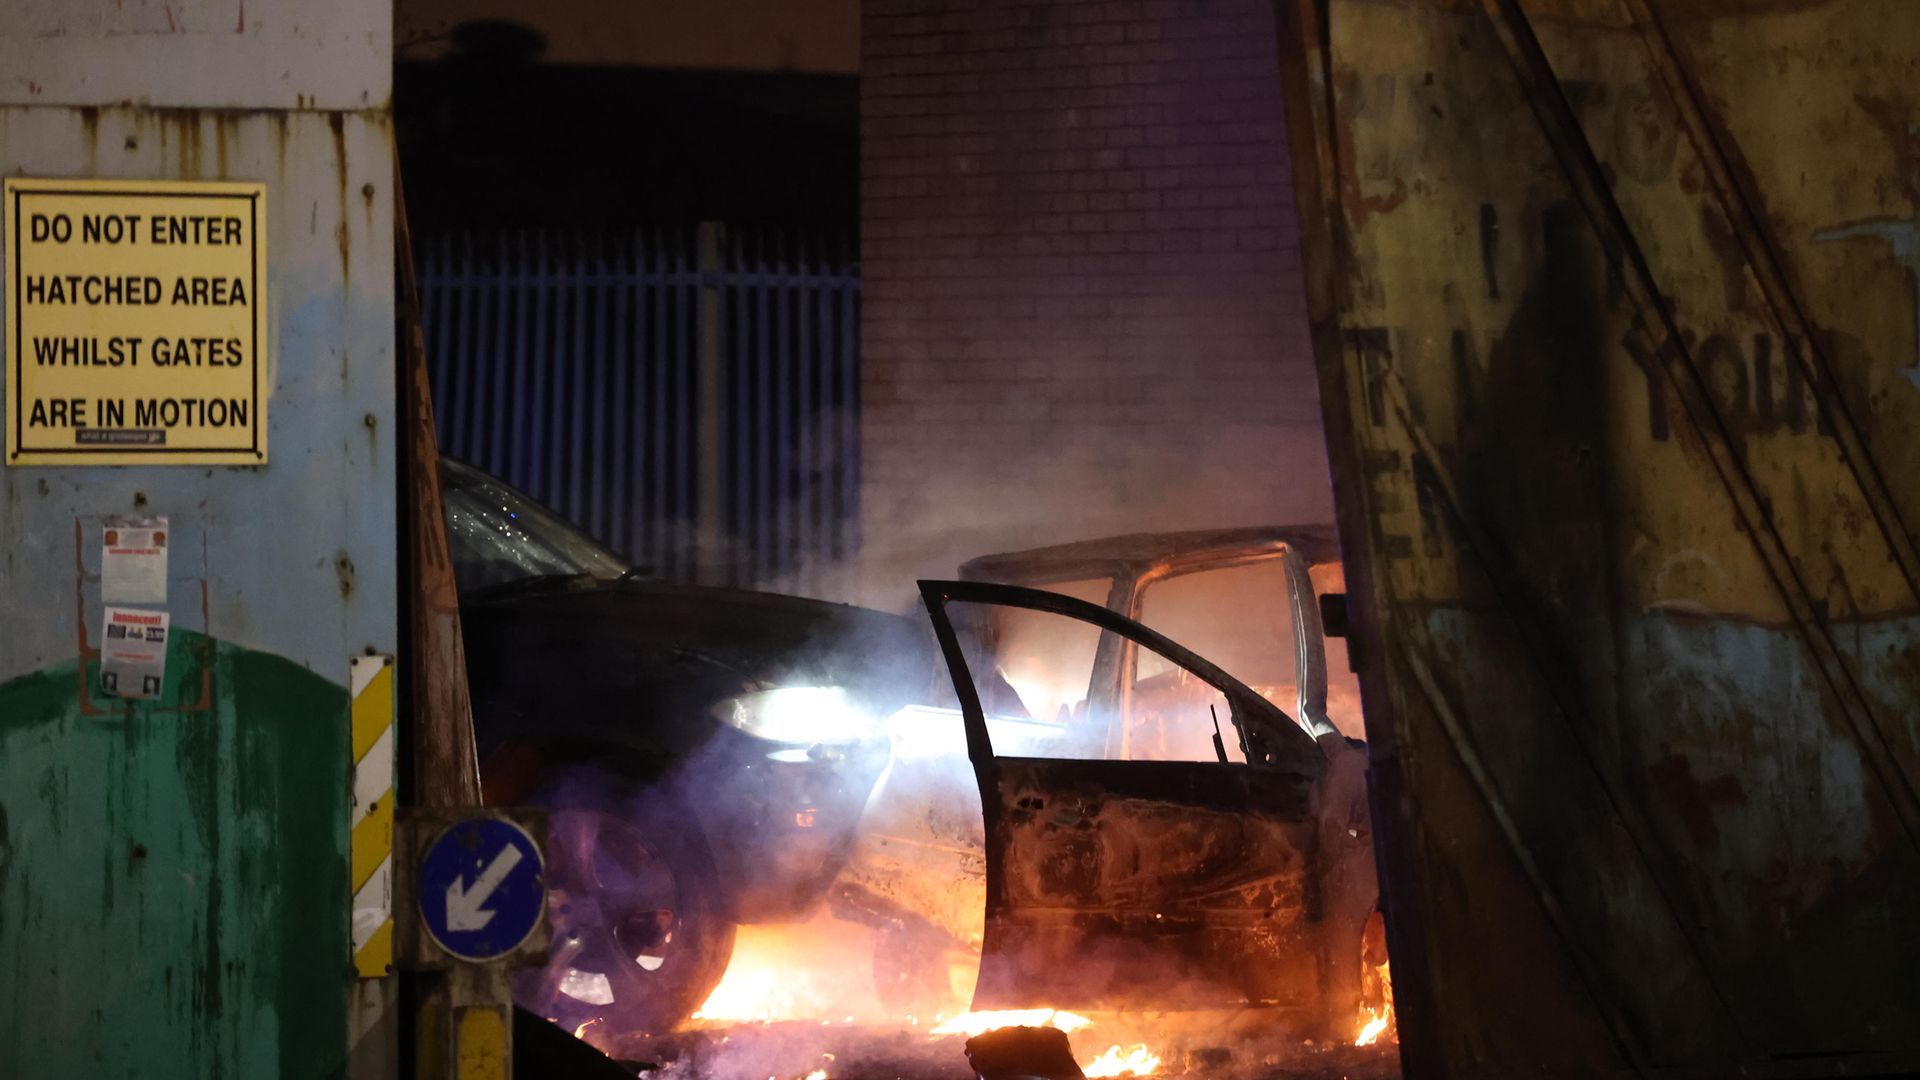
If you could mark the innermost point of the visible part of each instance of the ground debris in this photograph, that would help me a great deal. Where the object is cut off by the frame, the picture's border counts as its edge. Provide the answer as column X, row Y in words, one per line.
column 1023, row 1053
column 796, row 1050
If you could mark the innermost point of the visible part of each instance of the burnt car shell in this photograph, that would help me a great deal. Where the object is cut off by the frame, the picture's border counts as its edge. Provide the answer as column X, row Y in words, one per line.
column 624, row 675
column 1177, row 880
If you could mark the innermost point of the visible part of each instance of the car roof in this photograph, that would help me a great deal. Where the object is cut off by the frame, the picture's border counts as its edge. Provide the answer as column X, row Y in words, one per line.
column 1138, row 552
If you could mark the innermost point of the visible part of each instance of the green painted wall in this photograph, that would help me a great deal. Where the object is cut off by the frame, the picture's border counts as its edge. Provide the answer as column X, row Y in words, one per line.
column 171, row 873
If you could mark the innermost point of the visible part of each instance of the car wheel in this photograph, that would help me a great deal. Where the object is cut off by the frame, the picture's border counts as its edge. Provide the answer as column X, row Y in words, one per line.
column 640, row 935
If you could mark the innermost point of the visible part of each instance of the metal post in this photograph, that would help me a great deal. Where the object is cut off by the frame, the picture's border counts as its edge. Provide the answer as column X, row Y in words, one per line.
column 710, row 537
column 464, row 1020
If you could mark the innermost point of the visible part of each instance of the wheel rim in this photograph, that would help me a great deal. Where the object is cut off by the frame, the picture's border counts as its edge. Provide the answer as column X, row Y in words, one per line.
column 612, row 899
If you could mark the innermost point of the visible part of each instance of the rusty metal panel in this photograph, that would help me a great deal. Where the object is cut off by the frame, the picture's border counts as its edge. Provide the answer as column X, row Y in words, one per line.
column 1614, row 308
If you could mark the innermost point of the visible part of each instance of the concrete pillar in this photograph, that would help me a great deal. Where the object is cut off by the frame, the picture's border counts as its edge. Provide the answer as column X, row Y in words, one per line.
column 174, row 871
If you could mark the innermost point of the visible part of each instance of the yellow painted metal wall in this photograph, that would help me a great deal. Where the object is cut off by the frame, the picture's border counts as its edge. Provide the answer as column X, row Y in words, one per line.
column 1615, row 311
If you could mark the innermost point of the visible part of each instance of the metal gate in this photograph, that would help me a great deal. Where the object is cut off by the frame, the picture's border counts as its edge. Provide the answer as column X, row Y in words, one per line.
column 688, row 396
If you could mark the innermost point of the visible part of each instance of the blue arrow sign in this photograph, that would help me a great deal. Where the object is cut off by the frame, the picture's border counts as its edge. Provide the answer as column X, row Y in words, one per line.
column 482, row 888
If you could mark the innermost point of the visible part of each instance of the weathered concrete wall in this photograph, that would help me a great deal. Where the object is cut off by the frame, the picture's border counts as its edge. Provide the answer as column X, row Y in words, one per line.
column 1082, row 308
column 173, row 876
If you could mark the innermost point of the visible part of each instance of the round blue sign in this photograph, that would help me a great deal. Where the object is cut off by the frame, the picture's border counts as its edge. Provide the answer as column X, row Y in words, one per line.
column 482, row 888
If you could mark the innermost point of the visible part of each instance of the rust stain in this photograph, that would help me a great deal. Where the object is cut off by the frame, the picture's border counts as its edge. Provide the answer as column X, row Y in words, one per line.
column 1895, row 121
column 337, row 124
column 1359, row 206
column 90, row 132
column 343, row 236
column 1694, row 800
column 181, row 127
column 344, row 570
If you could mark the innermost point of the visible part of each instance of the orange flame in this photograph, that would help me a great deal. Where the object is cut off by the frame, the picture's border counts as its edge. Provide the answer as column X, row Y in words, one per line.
column 1132, row 1061
column 796, row 971
column 1376, row 1020
column 1374, row 1028
column 979, row 1023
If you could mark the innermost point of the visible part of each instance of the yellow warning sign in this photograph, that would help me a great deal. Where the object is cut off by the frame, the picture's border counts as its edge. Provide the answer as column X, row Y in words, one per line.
column 136, row 322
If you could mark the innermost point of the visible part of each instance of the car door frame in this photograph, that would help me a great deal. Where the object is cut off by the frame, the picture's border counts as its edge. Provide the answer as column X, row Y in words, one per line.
column 1300, row 549
column 1309, row 636
column 1278, row 782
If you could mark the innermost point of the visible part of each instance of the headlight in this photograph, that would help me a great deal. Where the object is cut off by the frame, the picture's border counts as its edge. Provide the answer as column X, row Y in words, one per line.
column 801, row 715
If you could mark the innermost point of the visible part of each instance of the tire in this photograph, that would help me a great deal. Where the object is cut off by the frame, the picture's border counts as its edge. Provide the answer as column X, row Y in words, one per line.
column 640, row 933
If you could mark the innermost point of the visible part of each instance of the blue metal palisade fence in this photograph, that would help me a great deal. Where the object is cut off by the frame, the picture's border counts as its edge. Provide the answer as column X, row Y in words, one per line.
column 688, row 396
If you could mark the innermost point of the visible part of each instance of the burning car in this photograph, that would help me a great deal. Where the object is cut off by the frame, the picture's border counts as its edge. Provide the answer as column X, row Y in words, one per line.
column 704, row 753
column 1157, row 829
column 1139, row 826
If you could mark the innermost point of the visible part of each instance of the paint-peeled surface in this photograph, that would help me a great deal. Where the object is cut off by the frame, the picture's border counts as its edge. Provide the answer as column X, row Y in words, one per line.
column 170, row 872
column 1637, row 591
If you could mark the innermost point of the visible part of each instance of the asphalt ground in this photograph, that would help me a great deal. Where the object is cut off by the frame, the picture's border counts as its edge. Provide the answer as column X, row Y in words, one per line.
column 811, row 1050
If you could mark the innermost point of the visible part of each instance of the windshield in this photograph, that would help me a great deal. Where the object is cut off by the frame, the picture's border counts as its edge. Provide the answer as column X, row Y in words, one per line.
column 499, row 535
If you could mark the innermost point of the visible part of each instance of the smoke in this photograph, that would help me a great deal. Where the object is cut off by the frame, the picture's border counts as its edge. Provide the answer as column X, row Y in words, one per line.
column 1057, row 484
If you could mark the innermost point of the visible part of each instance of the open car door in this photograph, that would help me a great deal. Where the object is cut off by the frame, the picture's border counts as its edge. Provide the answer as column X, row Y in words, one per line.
column 1138, row 855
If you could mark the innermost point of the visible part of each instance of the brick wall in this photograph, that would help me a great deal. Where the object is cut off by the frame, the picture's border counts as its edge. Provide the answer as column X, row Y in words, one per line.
column 1082, row 306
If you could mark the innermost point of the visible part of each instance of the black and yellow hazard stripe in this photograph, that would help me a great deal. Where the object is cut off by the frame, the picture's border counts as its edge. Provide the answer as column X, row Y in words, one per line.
column 370, row 853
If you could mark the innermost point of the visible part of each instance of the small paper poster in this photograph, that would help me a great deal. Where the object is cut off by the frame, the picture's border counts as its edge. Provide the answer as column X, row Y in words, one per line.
column 133, row 657
column 133, row 561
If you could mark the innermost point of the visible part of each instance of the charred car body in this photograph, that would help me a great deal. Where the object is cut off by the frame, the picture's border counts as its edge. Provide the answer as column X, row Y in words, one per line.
column 1151, row 828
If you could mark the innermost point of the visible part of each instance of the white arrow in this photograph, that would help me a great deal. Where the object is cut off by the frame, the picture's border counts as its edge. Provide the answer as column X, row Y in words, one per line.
column 463, row 904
